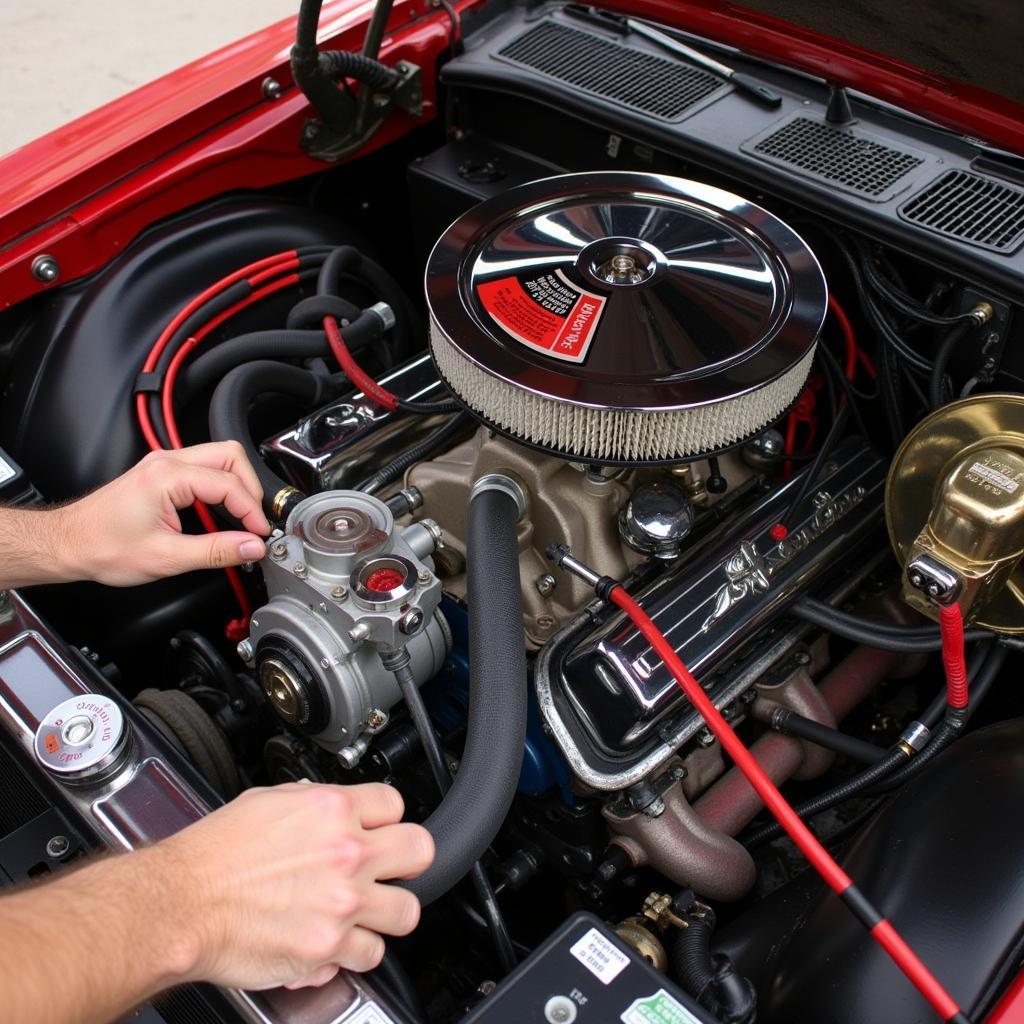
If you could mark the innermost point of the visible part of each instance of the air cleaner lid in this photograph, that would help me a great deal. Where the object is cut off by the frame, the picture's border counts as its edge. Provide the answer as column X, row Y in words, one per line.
column 566, row 307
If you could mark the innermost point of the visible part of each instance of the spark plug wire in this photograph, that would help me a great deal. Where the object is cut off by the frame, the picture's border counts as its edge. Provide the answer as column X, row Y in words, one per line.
column 880, row 929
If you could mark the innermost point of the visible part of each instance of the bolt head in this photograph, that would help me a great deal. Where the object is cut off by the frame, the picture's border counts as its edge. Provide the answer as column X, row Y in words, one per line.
column 271, row 88
column 424, row 576
column 299, row 568
column 57, row 847
column 339, row 593
column 45, row 268
column 545, row 584
column 245, row 650
column 278, row 549
column 411, row 621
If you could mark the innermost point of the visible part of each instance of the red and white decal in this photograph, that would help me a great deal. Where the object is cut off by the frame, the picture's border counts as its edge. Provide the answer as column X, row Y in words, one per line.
column 546, row 312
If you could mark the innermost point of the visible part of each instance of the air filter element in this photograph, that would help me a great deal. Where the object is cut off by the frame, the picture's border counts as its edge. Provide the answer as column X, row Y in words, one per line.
column 617, row 317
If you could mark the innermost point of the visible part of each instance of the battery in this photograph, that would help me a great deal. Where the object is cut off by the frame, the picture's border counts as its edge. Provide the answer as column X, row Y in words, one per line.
column 585, row 974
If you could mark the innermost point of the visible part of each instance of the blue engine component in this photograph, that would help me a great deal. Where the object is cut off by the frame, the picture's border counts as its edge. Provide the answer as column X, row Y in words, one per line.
column 447, row 699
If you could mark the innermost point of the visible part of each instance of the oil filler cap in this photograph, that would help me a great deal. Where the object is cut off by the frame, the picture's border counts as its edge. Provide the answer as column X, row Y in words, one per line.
column 622, row 317
column 82, row 738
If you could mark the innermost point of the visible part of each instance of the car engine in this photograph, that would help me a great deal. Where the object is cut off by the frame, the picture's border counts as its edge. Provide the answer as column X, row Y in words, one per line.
column 486, row 375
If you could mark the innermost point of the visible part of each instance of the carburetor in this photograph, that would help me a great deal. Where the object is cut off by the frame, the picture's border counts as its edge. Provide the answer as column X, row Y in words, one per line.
column 345, row 587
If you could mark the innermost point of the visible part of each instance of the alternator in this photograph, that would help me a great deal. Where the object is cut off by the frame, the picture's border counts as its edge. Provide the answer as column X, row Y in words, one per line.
column 344, row 586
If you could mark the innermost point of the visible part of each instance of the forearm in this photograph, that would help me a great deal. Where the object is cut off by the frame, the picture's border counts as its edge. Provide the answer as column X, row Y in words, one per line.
column 92, row 944
column 35, row 546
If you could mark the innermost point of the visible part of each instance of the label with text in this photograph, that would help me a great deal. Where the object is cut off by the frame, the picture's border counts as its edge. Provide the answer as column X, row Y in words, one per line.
column 602, row 958
column 544, row 311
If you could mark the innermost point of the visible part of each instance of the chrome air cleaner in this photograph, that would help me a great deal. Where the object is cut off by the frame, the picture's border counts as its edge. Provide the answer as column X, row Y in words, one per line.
column 624, row 317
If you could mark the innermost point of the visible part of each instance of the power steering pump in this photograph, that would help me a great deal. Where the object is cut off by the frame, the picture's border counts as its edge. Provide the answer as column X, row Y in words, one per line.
column 344, row 587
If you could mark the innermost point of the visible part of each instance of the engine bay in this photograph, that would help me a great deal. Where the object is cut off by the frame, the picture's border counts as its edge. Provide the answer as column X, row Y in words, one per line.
column 757, row 365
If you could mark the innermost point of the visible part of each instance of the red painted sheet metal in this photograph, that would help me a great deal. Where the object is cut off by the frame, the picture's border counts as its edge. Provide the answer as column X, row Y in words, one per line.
column 85, row 191
column 1011, row 1007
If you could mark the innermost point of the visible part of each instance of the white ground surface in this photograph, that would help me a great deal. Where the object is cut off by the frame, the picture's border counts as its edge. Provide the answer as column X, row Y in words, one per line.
column 62, row 58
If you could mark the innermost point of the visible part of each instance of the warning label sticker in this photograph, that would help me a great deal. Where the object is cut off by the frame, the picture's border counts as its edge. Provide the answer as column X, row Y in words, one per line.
column 661, row 1008
column 544, row 311
column 602, row 958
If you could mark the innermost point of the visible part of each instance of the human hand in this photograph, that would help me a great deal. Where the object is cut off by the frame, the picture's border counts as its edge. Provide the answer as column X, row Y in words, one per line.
column 283, row 886
column 128, row 532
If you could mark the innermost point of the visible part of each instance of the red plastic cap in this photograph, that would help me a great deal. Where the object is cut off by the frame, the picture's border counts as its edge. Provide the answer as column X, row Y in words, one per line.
column 779, row 532
column 384, row 580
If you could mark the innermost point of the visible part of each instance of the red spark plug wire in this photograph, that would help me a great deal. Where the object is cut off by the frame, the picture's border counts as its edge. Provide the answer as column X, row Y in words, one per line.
column 951, row 628
column 820, row 859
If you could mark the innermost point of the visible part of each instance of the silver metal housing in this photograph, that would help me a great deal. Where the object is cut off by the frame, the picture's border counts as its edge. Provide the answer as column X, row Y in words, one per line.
column 624, row 317
column 344, row 584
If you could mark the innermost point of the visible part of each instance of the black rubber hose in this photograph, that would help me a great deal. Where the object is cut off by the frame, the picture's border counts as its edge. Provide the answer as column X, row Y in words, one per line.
column 209, row 368
column 953, row 723
column 342, row 64
column 334, row 106
column 229, row 410
column 874, row 634
column 926, row 630
column 391, row 471
column 943, row 354
column 711, row 978
column 472, row 812
column 790, row 723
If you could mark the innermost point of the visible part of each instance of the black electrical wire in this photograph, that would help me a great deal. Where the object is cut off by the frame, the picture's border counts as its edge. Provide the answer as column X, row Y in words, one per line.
column 811, row 474
column 399, row 666
column 943, row 354
column 393, row 978
column 881, row 636
column 901, row 301
column 851, row 394
column 392, row 470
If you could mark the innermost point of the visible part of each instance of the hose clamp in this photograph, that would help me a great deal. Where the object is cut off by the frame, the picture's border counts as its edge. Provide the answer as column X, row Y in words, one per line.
column 506, row 485
column 384, row 313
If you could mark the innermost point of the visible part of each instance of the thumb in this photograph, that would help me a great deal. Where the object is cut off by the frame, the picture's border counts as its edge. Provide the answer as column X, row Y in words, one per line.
column 214, row 550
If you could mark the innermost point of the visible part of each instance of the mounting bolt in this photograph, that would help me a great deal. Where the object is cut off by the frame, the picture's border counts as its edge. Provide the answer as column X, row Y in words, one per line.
column 339, row 593
column 706, row 738
column 359, row 632
column 381, row 100
column 299, row 568
column 57, row 847
column 545, row 584
column 45, row 268
column 424, row 576
column 245, row 650
column 376, row 720
column 271, row 88
column 278, row 550
column 411, row 621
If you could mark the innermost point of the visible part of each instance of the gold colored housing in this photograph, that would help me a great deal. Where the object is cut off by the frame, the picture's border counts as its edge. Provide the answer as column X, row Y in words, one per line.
column 955, row 492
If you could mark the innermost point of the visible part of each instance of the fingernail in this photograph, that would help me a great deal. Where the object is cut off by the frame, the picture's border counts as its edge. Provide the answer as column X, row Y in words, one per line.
column 251, row 550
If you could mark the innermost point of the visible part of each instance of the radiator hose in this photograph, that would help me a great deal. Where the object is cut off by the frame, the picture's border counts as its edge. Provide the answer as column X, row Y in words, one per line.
column 473, row 810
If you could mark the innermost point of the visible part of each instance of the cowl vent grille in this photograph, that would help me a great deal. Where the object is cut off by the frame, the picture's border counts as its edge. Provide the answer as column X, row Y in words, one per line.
column 979, row 211
column 838, row 156
column 653, row 85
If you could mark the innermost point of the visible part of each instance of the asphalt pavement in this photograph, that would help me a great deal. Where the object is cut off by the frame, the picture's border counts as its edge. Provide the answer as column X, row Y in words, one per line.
column 63, row 58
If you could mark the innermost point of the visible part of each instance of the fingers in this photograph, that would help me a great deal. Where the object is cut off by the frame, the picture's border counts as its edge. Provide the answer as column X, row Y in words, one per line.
column 216, row 487
column 361, row 950
column 316, row 978
column 399, row 851
column 185, row 552
column 390, row 910
column 226, row 455
column 376, row 804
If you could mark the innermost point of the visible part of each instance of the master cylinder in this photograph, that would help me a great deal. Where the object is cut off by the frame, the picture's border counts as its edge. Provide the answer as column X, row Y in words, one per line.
column 345, row 586
column 955, row 508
